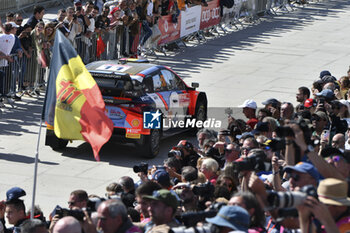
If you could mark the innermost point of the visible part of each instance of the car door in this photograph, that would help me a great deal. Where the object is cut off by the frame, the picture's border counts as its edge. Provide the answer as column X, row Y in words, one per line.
column 179, row 99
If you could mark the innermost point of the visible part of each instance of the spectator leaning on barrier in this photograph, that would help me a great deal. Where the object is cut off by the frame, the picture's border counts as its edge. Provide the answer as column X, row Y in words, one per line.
column 7, row 41
column 73, row 25
column 17, row 51
column 19, row 21
column 59, row 21
column 26, row 43
column 37, row 16
column 38, row 41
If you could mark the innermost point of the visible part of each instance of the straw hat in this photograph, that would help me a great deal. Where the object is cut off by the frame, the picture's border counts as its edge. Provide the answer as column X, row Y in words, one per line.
column 333, row 192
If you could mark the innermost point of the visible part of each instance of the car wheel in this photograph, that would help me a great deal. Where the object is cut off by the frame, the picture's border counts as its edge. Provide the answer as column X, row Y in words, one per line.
column 200, row 115
column 151, row 145
column 54, row 142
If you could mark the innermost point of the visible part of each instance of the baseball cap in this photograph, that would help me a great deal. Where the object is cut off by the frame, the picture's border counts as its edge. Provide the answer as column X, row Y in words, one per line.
column 272, row 101
column 184, row 144
column 248, row 104
column 327, row 93
column 234, row 217
column 14, row 193
column 321, row 114
column 162, row 177
column 324, row 73
column 332, row 191
column 164, row 196
column 261, row 127
column 114, row 10
column 309, row 103
column 304, row 168
column 14, row 25
column 245, row 135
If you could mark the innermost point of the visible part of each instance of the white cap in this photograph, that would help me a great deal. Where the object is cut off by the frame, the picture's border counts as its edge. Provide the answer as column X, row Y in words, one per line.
column 14, row 25
column 248, row 104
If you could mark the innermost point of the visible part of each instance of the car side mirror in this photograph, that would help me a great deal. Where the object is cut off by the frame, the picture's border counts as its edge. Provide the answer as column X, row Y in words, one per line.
column 195, row 85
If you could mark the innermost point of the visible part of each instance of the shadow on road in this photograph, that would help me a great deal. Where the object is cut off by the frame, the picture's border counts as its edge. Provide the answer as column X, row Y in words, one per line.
column 219, row 49
column 23, row 159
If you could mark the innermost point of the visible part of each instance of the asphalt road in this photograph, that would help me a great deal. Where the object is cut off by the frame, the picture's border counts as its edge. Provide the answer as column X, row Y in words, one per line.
column 270, row 58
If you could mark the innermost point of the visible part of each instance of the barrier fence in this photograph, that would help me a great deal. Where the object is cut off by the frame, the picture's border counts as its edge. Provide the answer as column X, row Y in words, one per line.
column 28, row 76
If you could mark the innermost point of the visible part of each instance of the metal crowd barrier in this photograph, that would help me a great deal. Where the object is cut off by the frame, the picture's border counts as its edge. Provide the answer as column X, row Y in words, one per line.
column 22, row 76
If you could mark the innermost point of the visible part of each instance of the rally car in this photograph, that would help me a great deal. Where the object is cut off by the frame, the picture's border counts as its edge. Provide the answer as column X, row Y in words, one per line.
column 147, row 101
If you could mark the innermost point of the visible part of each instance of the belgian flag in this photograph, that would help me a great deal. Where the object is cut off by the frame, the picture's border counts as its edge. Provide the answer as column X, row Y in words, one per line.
column 74, row 107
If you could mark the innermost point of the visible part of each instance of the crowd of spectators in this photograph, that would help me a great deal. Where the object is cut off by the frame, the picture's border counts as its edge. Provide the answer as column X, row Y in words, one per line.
column 284, row 169
column 26, row 49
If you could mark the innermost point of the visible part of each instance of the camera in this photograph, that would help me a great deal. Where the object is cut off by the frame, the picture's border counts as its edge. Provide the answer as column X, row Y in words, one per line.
column 251, row 163
column 206, row 228
column 93, row 203
column 76, row 213
column 284, row 131
column 290, row 199
column 75, row 17
column 176, row 153
column 190, row 219
column 276, row 144
column 143, row 167
column 205, row 189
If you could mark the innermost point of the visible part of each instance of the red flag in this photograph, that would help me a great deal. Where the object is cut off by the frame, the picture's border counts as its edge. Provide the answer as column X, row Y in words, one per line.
column 100, row 46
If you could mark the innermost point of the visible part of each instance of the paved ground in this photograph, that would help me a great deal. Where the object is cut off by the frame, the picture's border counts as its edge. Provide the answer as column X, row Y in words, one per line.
column 270, row 59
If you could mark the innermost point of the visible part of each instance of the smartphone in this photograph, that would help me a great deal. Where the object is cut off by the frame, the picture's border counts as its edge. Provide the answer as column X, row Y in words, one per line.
column 325, row 135
column 228, row 112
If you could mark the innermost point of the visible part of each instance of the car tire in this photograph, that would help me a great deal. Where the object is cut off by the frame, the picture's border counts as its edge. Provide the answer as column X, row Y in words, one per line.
column 200, row 114
column 151, row 144
column 54, row 142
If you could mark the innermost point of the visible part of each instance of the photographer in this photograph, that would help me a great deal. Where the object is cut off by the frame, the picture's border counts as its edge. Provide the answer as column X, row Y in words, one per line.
column 128, row 194
column 332, row 208
column 185, row 152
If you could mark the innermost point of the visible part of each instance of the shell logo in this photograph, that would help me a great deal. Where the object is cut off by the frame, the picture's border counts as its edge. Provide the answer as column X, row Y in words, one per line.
column 135, row 123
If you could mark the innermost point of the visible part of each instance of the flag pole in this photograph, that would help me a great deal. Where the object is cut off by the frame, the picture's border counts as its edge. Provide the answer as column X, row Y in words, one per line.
column 35, row 170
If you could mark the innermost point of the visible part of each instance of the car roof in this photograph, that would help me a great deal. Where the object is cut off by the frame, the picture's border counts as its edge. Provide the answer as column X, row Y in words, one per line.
column 130, row 68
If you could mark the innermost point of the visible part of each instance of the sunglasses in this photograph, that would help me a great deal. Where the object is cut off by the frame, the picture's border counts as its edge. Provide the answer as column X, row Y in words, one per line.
column 19, row 20
column 335, row 158
column 71, row 203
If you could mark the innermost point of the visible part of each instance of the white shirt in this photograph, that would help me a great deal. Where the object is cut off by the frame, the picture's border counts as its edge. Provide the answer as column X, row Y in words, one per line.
column 6, row 43
column 150, row 8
